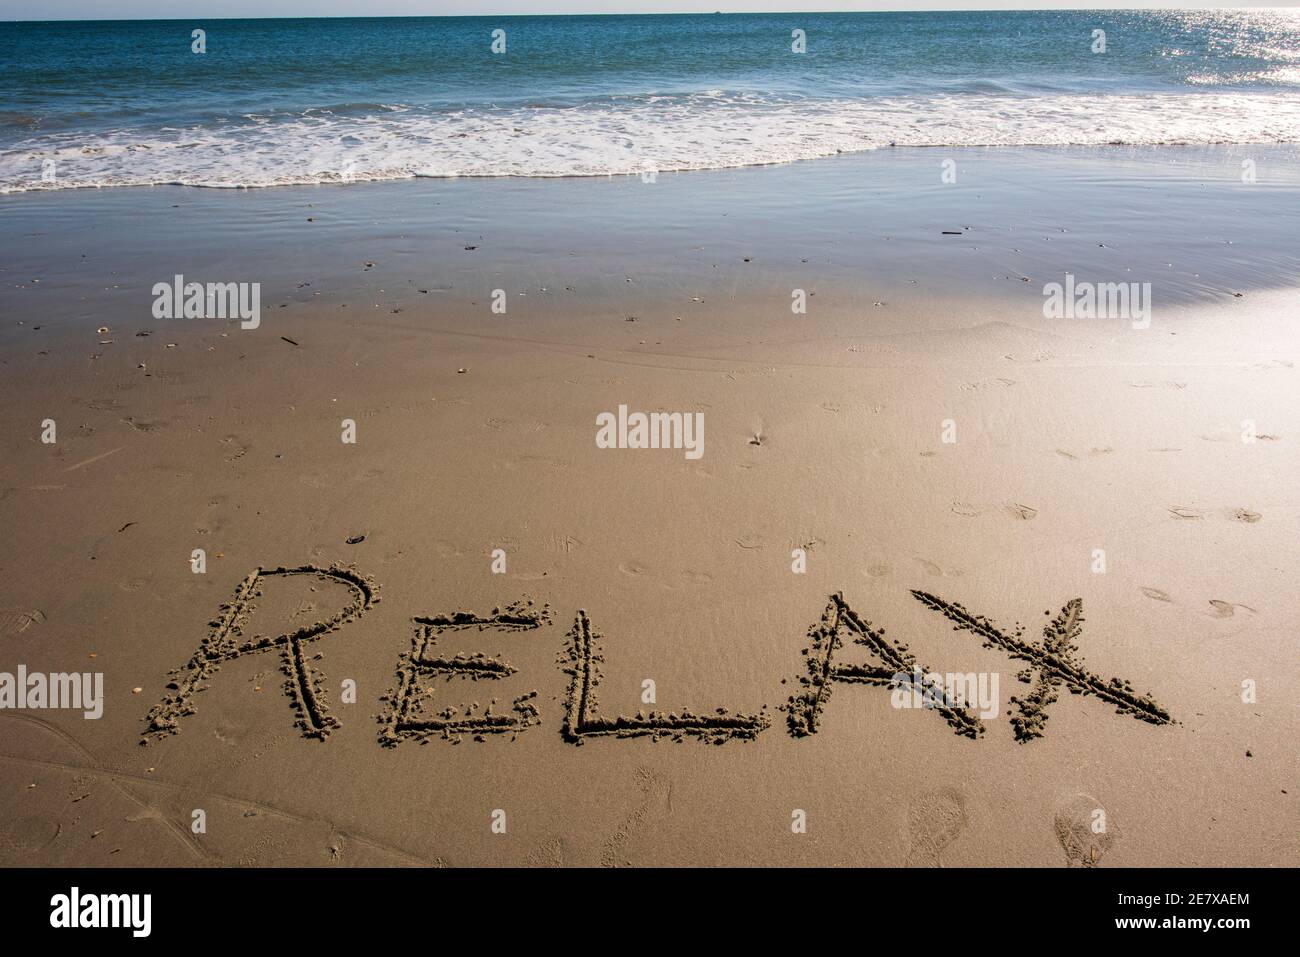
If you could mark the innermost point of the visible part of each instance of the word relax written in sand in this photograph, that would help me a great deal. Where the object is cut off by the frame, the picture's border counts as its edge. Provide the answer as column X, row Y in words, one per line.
column 412, row 714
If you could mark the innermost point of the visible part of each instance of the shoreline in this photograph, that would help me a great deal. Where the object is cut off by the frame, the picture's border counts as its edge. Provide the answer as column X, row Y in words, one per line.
column 854, row 231
column 1099, row 151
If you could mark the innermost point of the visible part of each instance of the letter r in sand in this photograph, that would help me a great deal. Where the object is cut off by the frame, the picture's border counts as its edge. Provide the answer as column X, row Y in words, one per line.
column 226, row 642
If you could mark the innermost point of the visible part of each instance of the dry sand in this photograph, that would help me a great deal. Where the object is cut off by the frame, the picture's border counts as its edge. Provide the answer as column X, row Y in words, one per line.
column 1071, row 437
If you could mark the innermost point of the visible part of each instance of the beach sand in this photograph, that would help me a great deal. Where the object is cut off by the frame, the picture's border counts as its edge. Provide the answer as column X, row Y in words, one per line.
column 475, row 432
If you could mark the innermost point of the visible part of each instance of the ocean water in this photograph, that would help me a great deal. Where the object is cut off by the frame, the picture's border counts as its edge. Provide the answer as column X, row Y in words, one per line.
column 277, row 102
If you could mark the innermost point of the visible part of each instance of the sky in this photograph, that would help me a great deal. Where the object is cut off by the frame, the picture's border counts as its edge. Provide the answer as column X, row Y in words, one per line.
column 211, row 9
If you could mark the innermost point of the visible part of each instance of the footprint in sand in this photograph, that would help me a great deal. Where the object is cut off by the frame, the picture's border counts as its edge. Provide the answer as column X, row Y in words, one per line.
column 14, row 621
column 1246, row 515
column 934, row 820
column 1226, row 609
column 1085, row 830
column 933, row 569
column 1184, row 511
column 24, row 837
column 656, row 799
column 1156, row 594
column 209, row 521
column 1022, row 512
column 879, row 570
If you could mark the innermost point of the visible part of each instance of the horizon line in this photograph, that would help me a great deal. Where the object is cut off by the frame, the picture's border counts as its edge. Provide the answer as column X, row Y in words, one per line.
column 992, row 8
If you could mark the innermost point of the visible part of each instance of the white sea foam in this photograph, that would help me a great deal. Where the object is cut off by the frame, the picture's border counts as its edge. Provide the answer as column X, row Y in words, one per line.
column 626, row 135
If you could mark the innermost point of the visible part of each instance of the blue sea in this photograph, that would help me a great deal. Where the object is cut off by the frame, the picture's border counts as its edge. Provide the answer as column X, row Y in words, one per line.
column 276, row 102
